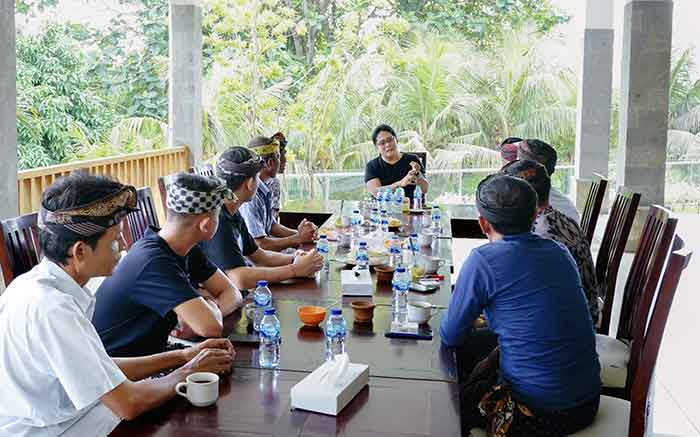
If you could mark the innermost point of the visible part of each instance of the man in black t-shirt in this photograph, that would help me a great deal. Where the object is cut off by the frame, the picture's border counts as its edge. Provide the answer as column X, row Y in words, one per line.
column 232, row 244
column 165, row 278
column 393, row 169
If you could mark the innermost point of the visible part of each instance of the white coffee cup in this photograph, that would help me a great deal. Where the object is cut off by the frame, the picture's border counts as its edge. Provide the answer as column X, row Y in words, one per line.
column 419, row 311
column 201, row 388
column 430, row 264
column 425, row 239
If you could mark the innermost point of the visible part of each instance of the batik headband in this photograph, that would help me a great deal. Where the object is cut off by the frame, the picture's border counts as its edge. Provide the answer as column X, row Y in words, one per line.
column 184, row 201
column 90, row 219
column 249, row 168
column 267, row 149
column 501, row 214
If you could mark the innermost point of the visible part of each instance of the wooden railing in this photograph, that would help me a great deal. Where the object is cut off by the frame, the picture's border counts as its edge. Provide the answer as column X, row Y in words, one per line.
column 137, row 169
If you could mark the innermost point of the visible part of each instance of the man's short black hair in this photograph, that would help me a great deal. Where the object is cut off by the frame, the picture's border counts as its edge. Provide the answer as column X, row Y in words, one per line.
column 534, row 173
column 382, row 128
column 507, row 203
column 543, row 153
column 511, row 140
column 237, row 155
column 192, row 182
column 76, row 189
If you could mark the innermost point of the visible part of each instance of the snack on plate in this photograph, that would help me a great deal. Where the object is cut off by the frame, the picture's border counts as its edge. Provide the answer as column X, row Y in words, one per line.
column 394, row 222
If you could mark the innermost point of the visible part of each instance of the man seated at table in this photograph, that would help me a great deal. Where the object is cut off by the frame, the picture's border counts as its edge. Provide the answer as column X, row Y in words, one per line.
column 530, row 292
column 232, row 243
column 539, row 151
column 392, row 168
column 165, row 278
column 553, row 224
column 56, row 376
column 257, row 213
column 273, row 183
column 509, row 149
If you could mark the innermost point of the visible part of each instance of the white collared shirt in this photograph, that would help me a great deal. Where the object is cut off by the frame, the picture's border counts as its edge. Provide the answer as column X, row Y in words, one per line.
column 53, row 366
column 563, row 204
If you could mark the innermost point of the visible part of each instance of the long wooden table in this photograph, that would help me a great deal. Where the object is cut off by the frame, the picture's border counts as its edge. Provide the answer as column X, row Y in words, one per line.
column 412, row 388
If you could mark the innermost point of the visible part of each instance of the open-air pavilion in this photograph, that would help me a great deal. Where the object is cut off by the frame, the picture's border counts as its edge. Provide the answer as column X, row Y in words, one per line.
column 641, row 160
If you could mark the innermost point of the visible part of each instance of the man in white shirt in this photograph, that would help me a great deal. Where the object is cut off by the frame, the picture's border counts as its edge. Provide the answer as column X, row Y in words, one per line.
column 539, row 151
column 56, row 377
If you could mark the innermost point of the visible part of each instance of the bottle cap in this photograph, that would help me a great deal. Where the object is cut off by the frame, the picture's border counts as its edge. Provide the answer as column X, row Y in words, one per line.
column 401, row 269
column 363, row 243
column 336, row 311
column 322, row 236
column 261, row 283
column 355, row 211
column 269, row 311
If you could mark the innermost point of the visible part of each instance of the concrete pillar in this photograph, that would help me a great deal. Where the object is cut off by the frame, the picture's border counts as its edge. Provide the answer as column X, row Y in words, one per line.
column 8, row 111
column 644, row 96
column 185, row 84
column 594, row 98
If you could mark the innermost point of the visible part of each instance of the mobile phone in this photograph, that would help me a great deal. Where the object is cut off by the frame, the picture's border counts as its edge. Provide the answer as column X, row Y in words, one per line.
column 423, row 288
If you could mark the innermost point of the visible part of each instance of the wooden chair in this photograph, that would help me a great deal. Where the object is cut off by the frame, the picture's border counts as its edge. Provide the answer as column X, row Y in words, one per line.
column 466, row 228
column 423, row 158
column 203, row 170
column 594, row 202
column 139, row 221
column 23, row 251
column 619, row 417
column 616, row 355
column 292, row 219
column 5, row 264
column 612, row 247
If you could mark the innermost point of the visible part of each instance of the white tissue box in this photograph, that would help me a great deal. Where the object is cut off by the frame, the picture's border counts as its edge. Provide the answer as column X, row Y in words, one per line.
column 352, row 285
column 312, row 394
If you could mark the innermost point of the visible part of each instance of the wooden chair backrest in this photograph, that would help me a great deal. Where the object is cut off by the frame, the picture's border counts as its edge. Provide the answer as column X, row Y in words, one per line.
column 23, row 250
column 594, row 203
column 203, row 170
column 146, row 215
column 647, row 349
column 612, row 248
column 654, row 245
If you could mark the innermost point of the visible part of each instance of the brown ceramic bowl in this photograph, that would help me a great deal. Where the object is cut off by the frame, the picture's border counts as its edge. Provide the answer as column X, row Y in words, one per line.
column 384, row 274
column 363, row 311
column 311, row 315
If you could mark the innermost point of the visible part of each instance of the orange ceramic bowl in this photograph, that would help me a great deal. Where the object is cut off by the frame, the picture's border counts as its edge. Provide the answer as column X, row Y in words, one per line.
column 311, row 315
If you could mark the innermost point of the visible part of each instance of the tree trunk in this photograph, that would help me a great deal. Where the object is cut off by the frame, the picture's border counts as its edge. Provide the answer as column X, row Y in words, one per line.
column 298, row 43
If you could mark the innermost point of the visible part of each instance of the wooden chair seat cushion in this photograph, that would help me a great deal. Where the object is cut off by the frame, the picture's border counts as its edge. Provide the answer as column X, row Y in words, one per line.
column 614, row 357
column 613, row 419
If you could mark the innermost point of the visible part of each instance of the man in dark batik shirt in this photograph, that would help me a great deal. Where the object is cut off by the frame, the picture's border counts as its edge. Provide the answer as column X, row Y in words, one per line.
column 554, row 224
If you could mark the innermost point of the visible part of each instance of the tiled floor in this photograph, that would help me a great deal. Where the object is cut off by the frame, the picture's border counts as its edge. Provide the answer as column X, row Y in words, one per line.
column 676, row 409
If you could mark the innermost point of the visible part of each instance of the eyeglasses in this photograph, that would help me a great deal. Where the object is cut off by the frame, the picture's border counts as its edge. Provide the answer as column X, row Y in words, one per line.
column 388, row 140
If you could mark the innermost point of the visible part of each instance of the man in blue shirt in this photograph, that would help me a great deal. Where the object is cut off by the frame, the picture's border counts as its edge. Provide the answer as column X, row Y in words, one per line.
column 165, row 278
column 258, row 212
column 529, row 289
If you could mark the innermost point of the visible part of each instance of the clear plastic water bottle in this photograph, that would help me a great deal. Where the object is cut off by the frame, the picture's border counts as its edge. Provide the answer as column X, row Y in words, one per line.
column 384, row 221
column 398, row 201
column 362, row 256
column 374, row 220
column 262, row 297
column 435, row 218
column 418, row 198
column 356, row 224
column 323, row 249
column 411, row 249
column 389, row 201
column 336, row 332
column 380, row 199
column 400, row 283
column 395, row 251
column 270, row 339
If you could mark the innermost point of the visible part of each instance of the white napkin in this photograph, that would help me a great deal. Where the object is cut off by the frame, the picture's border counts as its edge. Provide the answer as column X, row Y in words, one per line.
column 336, row 370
